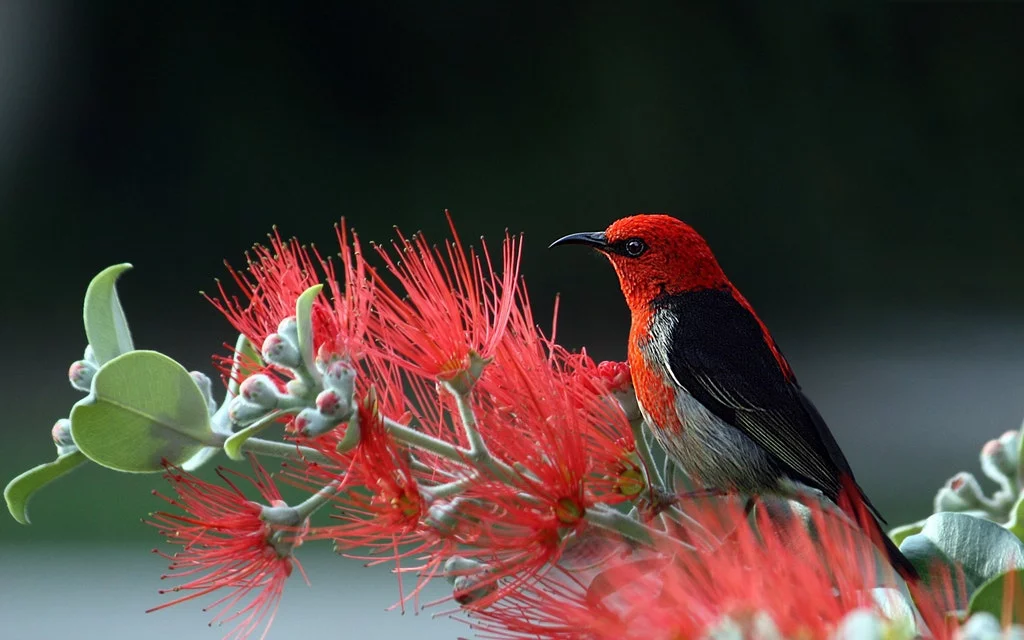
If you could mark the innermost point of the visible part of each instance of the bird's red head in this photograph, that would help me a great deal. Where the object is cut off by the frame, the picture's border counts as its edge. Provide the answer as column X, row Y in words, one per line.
column 654, row 254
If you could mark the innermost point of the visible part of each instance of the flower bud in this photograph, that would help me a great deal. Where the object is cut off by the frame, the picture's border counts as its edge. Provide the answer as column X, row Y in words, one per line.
column 311, row 423
column 260, row 390
column 960, row 493
column 340, row 376
column 289, row 330
column 81, row 373
column 243, row 412
column 280, row 351
column 445, row 516
column 999, row 460
column 90, row 355
column 470, row 579
column 332, row 405
column 206, row 387
column 61, row 433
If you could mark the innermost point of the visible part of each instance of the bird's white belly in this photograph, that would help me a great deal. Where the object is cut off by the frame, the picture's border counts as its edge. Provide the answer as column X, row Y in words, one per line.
column 713, row 452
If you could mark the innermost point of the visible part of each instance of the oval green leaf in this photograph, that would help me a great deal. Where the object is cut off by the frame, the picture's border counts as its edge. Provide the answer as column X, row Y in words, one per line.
column 105, row 325
column 144, row 408
column 304, row 322
column 20, row 490
column 1001, row 595
column 981, row 548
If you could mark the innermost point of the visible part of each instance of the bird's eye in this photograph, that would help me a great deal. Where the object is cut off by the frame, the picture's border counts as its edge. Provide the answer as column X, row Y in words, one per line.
column 635, row 247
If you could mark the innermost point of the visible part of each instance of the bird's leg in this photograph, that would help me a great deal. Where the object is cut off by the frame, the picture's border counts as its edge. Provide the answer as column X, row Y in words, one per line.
column 707, row 492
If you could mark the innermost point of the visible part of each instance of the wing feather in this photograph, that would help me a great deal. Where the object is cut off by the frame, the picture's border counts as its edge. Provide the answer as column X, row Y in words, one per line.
column 719, row 354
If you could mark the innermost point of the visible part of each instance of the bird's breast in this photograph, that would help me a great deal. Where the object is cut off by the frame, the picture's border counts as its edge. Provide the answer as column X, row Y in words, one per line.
column 655, row 391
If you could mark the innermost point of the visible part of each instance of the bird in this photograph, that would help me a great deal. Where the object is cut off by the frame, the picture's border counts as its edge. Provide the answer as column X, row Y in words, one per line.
column 712, row 384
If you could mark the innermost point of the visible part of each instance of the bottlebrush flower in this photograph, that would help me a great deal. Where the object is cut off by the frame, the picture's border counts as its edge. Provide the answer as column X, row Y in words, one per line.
column 804, row 584
column 566, row 449
column 279, row 274
column 386, row 507
column 392, row 504
column 228, row 545
column 452, row 309
column 275, row 278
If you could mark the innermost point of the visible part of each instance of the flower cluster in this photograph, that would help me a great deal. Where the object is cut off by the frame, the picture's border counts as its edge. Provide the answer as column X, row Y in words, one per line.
column 432, row 426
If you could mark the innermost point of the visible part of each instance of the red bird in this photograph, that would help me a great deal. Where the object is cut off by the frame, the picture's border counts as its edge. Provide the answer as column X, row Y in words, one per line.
column 712, row 384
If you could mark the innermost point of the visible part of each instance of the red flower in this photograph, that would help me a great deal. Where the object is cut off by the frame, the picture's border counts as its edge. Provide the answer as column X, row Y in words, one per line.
column 805, row 584
column 385, row 507
column 392, row 505
column 227, row 544
column 568, row 449
column 277, row 276
column 453, row 304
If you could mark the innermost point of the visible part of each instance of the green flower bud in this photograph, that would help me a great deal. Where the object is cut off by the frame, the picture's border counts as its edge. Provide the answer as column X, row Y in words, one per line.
column 260, row 390
column 243, row 412
column 960, row 493
column 280, row 351
column 332, row 405
column 311, row 423
column 340, row 376
column 444, row 517
column 470, row 580
column 61, row 433
column 999, row 460
column 289, row 330
column 81, row 373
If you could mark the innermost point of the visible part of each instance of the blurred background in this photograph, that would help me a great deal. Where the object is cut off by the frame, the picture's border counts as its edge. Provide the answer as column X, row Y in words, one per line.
column 858, row 170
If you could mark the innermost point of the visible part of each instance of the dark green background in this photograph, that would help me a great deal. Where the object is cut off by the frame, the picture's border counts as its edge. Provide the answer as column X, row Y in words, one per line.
column 857, row 167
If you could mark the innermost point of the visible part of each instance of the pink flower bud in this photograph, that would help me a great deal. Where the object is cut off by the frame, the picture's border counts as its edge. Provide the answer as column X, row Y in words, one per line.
column 61, row 433
column 81, row 373
column 260, row 390
column 280, row 351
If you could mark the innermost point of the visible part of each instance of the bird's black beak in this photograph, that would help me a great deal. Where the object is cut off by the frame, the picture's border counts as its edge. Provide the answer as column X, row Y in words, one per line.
column 595, row 239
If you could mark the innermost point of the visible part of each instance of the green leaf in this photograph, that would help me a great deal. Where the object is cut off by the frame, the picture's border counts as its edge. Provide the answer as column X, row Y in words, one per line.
column 144, row 408
column 981, row 548
column 105, row 325
column 1016, row 523
column 902, row 532
column 1003, row 593
column 304, row 322
column 20, row 490
column 247, row 361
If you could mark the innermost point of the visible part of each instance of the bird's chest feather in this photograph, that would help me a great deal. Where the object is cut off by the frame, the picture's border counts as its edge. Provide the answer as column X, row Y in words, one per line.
column 703, row 444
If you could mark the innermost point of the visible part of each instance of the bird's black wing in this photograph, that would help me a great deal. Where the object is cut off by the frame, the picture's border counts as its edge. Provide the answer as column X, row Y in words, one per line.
column 719, row 354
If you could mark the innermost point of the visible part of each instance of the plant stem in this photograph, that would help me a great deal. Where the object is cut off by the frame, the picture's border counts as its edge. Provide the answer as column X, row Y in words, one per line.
column 477, row 446
column 638, row 532
column 276, row 449
column 448, row 489
column 423, row 441
column 651, row 474
column 310, row 505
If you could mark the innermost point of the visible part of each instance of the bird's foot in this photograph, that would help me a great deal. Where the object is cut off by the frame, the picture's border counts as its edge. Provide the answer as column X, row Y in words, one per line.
column 659, row 500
